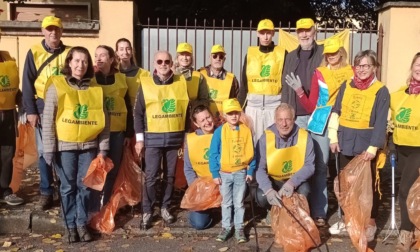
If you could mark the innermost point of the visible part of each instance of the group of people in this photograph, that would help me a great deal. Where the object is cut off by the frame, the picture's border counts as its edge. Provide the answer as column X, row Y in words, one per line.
column 300, row 106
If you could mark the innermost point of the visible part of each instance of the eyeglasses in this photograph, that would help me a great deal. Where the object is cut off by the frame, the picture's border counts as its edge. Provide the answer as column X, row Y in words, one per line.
column 221, row 56
column 364, row 67
column 159, row 62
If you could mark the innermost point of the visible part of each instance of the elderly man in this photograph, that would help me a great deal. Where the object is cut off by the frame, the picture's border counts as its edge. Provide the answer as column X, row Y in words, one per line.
column 43, row 60
column 261, row 79
column 160, row 129
column 298, row 71
column 222, row 84
column 285, row 159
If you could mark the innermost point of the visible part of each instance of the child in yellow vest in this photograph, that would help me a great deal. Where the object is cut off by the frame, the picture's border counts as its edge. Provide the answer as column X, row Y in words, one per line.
column 232, row 164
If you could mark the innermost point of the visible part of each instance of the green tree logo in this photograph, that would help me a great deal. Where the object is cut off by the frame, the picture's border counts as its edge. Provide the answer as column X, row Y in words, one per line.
column 238, row 161
column 213, row 93
column 287, row 166
column 4, row 81
column 265, row 71
column 237, row 148
column 109, row 103
column 81, row 111
column 55, row 71
column 206, row 153
column 169, row 105
column 404, row 115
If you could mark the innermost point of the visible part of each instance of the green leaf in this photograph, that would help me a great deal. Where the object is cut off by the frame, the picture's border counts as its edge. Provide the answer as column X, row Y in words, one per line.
column 168, row 105
column 265, row 71
column 404, row 115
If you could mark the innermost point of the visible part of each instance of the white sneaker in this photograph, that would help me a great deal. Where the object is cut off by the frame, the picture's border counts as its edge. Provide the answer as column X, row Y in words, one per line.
column 337, row 228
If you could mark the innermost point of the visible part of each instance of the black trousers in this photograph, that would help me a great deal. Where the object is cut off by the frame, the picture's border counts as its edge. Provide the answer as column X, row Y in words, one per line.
column 408, row 170
column 153, row 162
column 7, row 150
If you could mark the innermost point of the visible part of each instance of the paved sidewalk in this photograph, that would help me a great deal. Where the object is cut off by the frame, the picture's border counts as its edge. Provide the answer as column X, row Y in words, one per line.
column 26, row 219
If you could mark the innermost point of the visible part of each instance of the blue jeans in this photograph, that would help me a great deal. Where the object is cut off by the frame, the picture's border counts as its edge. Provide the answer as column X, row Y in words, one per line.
column 261, row 199
column 319, row 193
column 76, row 197
column 200, row 219
column 233, row 189
column 116, row 142
column 45, row 171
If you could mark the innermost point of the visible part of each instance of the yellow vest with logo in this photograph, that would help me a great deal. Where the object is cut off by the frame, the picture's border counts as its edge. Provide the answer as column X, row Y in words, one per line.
column 198, row 146
column 283, row 163
column 166, row 105
column 237, row 148
column 134, row 83
column 80, row 113
column 263, row 70
column 357, row 105
column 114, row 102
column 9, row 84
column 405, row 113
column 192, row 85
column 52, row 69
column 219, row 90
column 334, row 79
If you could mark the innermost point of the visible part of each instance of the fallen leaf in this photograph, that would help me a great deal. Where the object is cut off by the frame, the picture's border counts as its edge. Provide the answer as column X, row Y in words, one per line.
column 7, row 244
column 57, row 244
column 167, row 235
column 223, row 249
column 39, row 250
column 60, row 250
column 16, row 238
column 205, row 238
column 35, row 235
column 15, row 249
column 48, row 241
column 125, row 245
column 336, row 240
column 56, row 236
column 53, row 221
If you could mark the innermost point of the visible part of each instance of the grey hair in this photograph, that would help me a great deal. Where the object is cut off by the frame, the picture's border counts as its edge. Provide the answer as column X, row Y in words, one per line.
column 286, row 106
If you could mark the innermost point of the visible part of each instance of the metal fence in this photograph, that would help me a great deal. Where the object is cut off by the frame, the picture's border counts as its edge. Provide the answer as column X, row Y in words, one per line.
column 236, row 39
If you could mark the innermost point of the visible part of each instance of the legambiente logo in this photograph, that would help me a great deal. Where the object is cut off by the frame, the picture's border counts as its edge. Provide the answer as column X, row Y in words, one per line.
column 206, row 153
column 81, row 111
column 4, row 81
column 169, row 105
column 287, row 166
column 109, row 103
column 404, row 115
column 265, row 70
column 213, row 93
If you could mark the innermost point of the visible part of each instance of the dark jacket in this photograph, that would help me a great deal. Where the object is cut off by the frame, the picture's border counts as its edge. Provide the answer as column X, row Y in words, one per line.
column 288, row 95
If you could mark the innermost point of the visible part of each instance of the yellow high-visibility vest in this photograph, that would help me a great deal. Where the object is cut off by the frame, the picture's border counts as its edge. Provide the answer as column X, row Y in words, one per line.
column 198, row 146
column 134, row 83
column 334, row 79
column 9, row 84
column 166, row 105
column 219, row 91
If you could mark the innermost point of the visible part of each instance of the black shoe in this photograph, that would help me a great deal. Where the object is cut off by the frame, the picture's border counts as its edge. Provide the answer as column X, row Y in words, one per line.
column 84, row 234
column 45, row 202
column 71, row 235
column 146, row 221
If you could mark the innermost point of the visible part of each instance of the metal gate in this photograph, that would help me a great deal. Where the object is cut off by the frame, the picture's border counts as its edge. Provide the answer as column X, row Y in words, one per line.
column 236, row 39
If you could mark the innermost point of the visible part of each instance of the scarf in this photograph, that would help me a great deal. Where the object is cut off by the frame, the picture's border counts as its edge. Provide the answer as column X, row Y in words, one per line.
column 363, row 84
column 414, row 86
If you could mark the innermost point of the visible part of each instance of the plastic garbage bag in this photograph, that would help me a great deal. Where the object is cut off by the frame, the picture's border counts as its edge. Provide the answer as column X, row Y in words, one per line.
column 201, row 195
column 96, row 174
column 288, row 233
column 127, row 191
column 355, row 196
column 26, row 154
column 413, row 203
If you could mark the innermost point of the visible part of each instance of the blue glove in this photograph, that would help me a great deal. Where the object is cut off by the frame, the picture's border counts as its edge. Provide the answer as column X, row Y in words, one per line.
column 286, row 190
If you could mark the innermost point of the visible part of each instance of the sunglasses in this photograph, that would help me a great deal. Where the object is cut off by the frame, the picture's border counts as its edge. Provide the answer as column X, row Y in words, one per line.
column 221, row 56
column 160, row 62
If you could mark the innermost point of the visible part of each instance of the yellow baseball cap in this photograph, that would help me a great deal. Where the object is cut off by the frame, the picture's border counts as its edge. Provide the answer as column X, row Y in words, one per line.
column 230, row 105
column 332, row 45
column 51, row 21
column 184, row 47
column 265, row 24
column 304, row 23
column 218, row 49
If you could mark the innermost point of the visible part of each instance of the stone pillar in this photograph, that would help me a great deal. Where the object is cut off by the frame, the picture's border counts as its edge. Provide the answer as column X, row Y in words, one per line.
column 401, row 41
